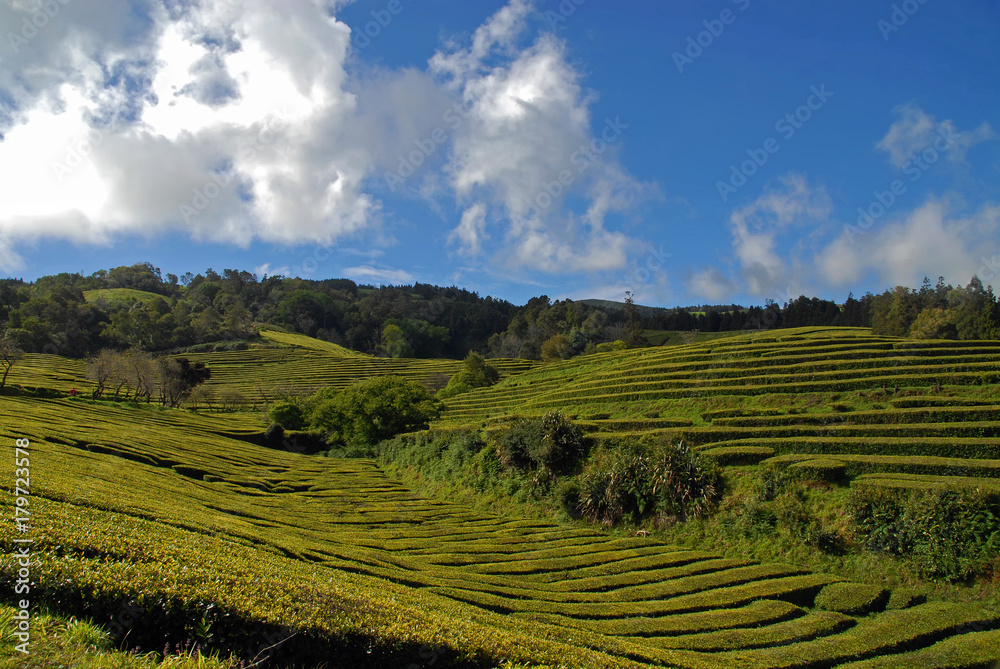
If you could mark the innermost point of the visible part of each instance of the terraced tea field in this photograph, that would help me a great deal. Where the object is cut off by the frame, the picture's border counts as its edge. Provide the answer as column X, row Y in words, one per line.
column 298, row 364
column 890, row 411
column 304, row 363
column 170, row 509
column 178, row 519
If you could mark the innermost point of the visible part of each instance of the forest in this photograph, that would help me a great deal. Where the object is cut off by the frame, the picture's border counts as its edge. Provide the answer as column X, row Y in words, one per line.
column 136, row 307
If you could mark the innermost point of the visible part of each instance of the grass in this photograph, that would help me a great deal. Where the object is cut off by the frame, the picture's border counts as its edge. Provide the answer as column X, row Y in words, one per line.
column 117, row 298
column 209, row 538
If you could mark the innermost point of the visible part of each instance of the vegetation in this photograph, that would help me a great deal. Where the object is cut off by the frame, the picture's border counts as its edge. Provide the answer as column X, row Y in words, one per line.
column 475, row 373
column 135, row 307
column 372, row 410
column 811, row 496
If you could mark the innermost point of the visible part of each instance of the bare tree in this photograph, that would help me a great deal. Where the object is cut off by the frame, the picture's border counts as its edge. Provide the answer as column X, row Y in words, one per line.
column 231, row 399
column 10, row 354
column 101, row 370
column 142, row 373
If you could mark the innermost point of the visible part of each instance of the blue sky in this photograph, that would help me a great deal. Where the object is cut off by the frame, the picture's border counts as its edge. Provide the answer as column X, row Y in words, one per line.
column 691, row 152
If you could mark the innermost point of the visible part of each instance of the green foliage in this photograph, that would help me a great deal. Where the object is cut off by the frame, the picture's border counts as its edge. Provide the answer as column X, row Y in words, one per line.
column 951, row 534
column 557, row 347
column 661, row 480
column 373, row 410
column 287, row 415
column 551, row 442
column 475, row 373
column 856, row 599
column 394, row 342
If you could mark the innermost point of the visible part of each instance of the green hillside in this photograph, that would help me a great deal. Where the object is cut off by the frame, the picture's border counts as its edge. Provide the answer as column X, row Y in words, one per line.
column 120, row 297
column 201, row 534
column 886, row 408
column 191, row 523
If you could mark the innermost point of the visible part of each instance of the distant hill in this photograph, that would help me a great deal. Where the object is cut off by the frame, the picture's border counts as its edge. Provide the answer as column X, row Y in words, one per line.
column 645, row 312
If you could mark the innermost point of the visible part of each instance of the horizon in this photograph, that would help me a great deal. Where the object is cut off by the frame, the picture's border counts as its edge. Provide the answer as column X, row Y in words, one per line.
column 701, row 153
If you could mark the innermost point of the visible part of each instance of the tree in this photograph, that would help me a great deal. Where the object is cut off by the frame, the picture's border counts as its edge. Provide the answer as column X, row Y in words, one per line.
column 374, row 409
column 101, row 369
column 288, row 415
column 633, row 326
column 557, row 347
column 179, row 377
column 394, row 342
column 933, row 323
column 475, row 373
column 10, row 354
column 142, row 373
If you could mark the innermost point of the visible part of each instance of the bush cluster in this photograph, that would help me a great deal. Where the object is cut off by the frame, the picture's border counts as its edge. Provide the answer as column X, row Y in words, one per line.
column 950, row 534
column 778, row 503
column 662, row 480
column 551, row 442
column 361, row 415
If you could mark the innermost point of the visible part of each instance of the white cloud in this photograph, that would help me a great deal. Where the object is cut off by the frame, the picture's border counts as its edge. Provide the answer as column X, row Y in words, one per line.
column 471, row 232
column 757, row 227
column 237, row 121
column 915, row 131
column 266, row 270
column 226, row 120
column 379, row 275
column 526, row 144
column 711, row 284
column 930, row 240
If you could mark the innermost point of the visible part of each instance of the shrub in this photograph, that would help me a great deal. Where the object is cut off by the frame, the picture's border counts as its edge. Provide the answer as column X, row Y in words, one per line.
column 475, row 373
column 947, row 533
column 274, row 435
column 287, row 415
column 662, row 479
column 854, row 599
column 552, row 442
column 375, row 409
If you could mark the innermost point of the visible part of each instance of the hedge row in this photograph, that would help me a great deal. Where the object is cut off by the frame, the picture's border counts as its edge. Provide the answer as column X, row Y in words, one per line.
column 984, row 449
column 757, row 614
column 856, row 465
column 881, row 637
column 941, row 414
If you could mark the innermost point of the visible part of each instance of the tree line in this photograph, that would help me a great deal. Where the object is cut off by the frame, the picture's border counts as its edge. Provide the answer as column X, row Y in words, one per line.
column 136, row 307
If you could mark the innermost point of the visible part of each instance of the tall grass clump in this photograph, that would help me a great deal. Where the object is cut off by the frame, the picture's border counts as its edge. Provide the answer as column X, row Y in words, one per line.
column 659, row 480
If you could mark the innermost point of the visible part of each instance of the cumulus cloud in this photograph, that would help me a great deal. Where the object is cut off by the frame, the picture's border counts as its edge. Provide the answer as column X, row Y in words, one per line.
column 900, row 251
column 526, row 143
column 915, row 131
column 238, row 122
column 227, row 120
column 756, row 228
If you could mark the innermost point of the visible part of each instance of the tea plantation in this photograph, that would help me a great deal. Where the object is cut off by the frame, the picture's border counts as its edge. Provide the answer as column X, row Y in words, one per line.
column 181, row 524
